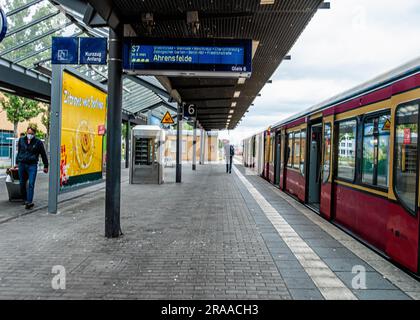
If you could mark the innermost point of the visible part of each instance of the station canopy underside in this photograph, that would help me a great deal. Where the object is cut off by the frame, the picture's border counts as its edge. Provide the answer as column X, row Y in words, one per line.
column 25, row 57
column 273, row 25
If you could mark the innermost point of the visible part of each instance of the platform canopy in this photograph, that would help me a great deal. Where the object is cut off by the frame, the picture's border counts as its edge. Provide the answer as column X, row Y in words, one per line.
column 273, row 25
column 25, row 56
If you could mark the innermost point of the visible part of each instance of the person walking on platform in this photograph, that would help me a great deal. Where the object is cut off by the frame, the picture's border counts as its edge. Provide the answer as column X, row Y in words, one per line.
column 29, row 150
column 229, row 153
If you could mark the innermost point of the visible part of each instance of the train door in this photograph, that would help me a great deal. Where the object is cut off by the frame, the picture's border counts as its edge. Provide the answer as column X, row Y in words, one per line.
column 326, row 171
column 277, row 158
column 283, row 149
column 267, row 146
column 253, row 152
column 314, row 166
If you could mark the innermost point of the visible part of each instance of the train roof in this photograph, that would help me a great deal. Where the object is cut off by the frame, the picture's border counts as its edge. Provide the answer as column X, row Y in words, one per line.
column 404, row 71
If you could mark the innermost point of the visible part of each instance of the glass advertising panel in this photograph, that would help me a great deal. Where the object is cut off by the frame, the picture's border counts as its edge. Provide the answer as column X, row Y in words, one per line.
column 82, row 131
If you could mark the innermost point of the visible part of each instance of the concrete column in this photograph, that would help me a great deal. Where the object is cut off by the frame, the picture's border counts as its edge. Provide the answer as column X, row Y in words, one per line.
column 55, row 138
column 127, row 144
column 149, row 117
column 206, row 147
column 178, row 146
column 113, row 152
column 202, row 146
column 194, row 156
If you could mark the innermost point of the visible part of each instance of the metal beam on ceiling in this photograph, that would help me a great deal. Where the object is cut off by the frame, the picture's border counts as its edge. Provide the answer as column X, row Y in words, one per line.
column 25, row 82
column 149, row 85
column 215, row 86
column 79, row 7
column 107, row 11
column 33, row 54
column 39, row 37
column 23, row 7
column 32, row 23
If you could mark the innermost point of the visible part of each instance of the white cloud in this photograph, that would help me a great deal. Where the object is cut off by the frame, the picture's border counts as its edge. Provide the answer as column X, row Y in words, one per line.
column 351, row 43
column 282, row 93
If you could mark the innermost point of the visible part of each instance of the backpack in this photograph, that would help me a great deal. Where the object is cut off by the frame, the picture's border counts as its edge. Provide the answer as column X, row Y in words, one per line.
column 232, row 150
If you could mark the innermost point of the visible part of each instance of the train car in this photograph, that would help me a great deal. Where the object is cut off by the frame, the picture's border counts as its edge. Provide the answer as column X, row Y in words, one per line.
column 253, row 154
column 248, row 152
column 270, row 153
column 354, row 160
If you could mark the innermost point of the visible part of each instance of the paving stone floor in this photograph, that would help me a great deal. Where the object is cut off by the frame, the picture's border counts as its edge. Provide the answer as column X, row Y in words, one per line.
column 206, row 238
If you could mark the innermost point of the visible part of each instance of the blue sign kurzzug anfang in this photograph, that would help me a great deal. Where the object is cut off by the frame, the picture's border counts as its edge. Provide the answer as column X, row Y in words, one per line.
column 3, row 25
column 74, row 50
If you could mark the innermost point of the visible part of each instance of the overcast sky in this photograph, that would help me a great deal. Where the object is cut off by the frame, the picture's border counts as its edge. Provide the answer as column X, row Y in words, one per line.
column 351, row 43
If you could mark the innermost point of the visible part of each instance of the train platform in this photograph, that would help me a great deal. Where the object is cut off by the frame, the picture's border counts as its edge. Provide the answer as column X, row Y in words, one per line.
column 214, row 236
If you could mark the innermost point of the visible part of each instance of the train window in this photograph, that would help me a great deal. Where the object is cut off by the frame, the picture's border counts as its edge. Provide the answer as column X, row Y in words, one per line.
column 405, row 161
column 281, row 143
column 347, row 149
column 296, row 150
column 302, row 151
column 327, row 152
column 272, row 148
column 376, row 132
column 289, row 151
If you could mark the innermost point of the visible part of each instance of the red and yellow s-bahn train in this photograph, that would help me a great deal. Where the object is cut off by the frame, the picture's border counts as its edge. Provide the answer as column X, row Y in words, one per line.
column 354, row 160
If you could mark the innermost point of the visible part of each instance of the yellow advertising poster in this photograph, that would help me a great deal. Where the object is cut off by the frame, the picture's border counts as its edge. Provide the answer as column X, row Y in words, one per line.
column 82, row 131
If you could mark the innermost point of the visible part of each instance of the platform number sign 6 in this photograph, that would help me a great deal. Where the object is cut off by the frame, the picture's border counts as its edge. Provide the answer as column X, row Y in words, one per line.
column 3, row 25
column 190, row 111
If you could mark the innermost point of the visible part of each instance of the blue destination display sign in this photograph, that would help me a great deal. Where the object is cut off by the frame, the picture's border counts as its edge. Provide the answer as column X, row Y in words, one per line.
column 184, row 54
column 93, row 51
column 73, row 50
column 188, row 56
column 3, row 25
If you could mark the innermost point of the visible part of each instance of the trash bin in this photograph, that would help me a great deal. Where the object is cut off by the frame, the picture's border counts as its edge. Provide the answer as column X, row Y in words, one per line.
column 13, row 184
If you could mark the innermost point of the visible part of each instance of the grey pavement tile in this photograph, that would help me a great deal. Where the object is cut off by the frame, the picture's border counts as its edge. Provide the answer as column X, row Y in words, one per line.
column 306, row 294
column 207, row 248
column 214, row 246
column 380, row 295
column 346, row 264
column 299, row 283
column 293, row 272
column 374, row 280
column 334, row 252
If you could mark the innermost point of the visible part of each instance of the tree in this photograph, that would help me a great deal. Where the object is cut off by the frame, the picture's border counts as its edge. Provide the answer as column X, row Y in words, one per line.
column 46, row 122
column 39, row 134
column 19, row 109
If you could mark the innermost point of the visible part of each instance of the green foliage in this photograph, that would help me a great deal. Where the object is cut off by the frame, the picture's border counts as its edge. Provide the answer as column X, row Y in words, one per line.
column 187, row 126
column 39, row 134
column 220, row 144
column 45, row 120
column 124, row 129
column 19, row 109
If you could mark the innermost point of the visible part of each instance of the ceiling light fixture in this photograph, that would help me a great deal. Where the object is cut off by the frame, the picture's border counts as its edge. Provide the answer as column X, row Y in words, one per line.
column 233, row 105
column 264, row 2
column 236, row 94
column 241, row 80
column 231, row 111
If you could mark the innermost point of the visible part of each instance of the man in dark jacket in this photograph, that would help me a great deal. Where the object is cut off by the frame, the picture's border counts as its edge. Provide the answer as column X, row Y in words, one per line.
column 29, row 150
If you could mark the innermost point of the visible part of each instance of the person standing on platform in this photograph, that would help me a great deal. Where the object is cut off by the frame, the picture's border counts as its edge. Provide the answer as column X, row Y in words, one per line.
column 29, row 150
column 229, row 153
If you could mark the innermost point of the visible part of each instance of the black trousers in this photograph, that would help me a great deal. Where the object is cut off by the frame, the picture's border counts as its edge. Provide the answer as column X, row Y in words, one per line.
column 229, row 165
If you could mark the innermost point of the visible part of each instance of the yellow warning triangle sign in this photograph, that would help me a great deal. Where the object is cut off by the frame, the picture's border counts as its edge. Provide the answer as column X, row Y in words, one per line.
column 167, row 118
column 387, row 125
